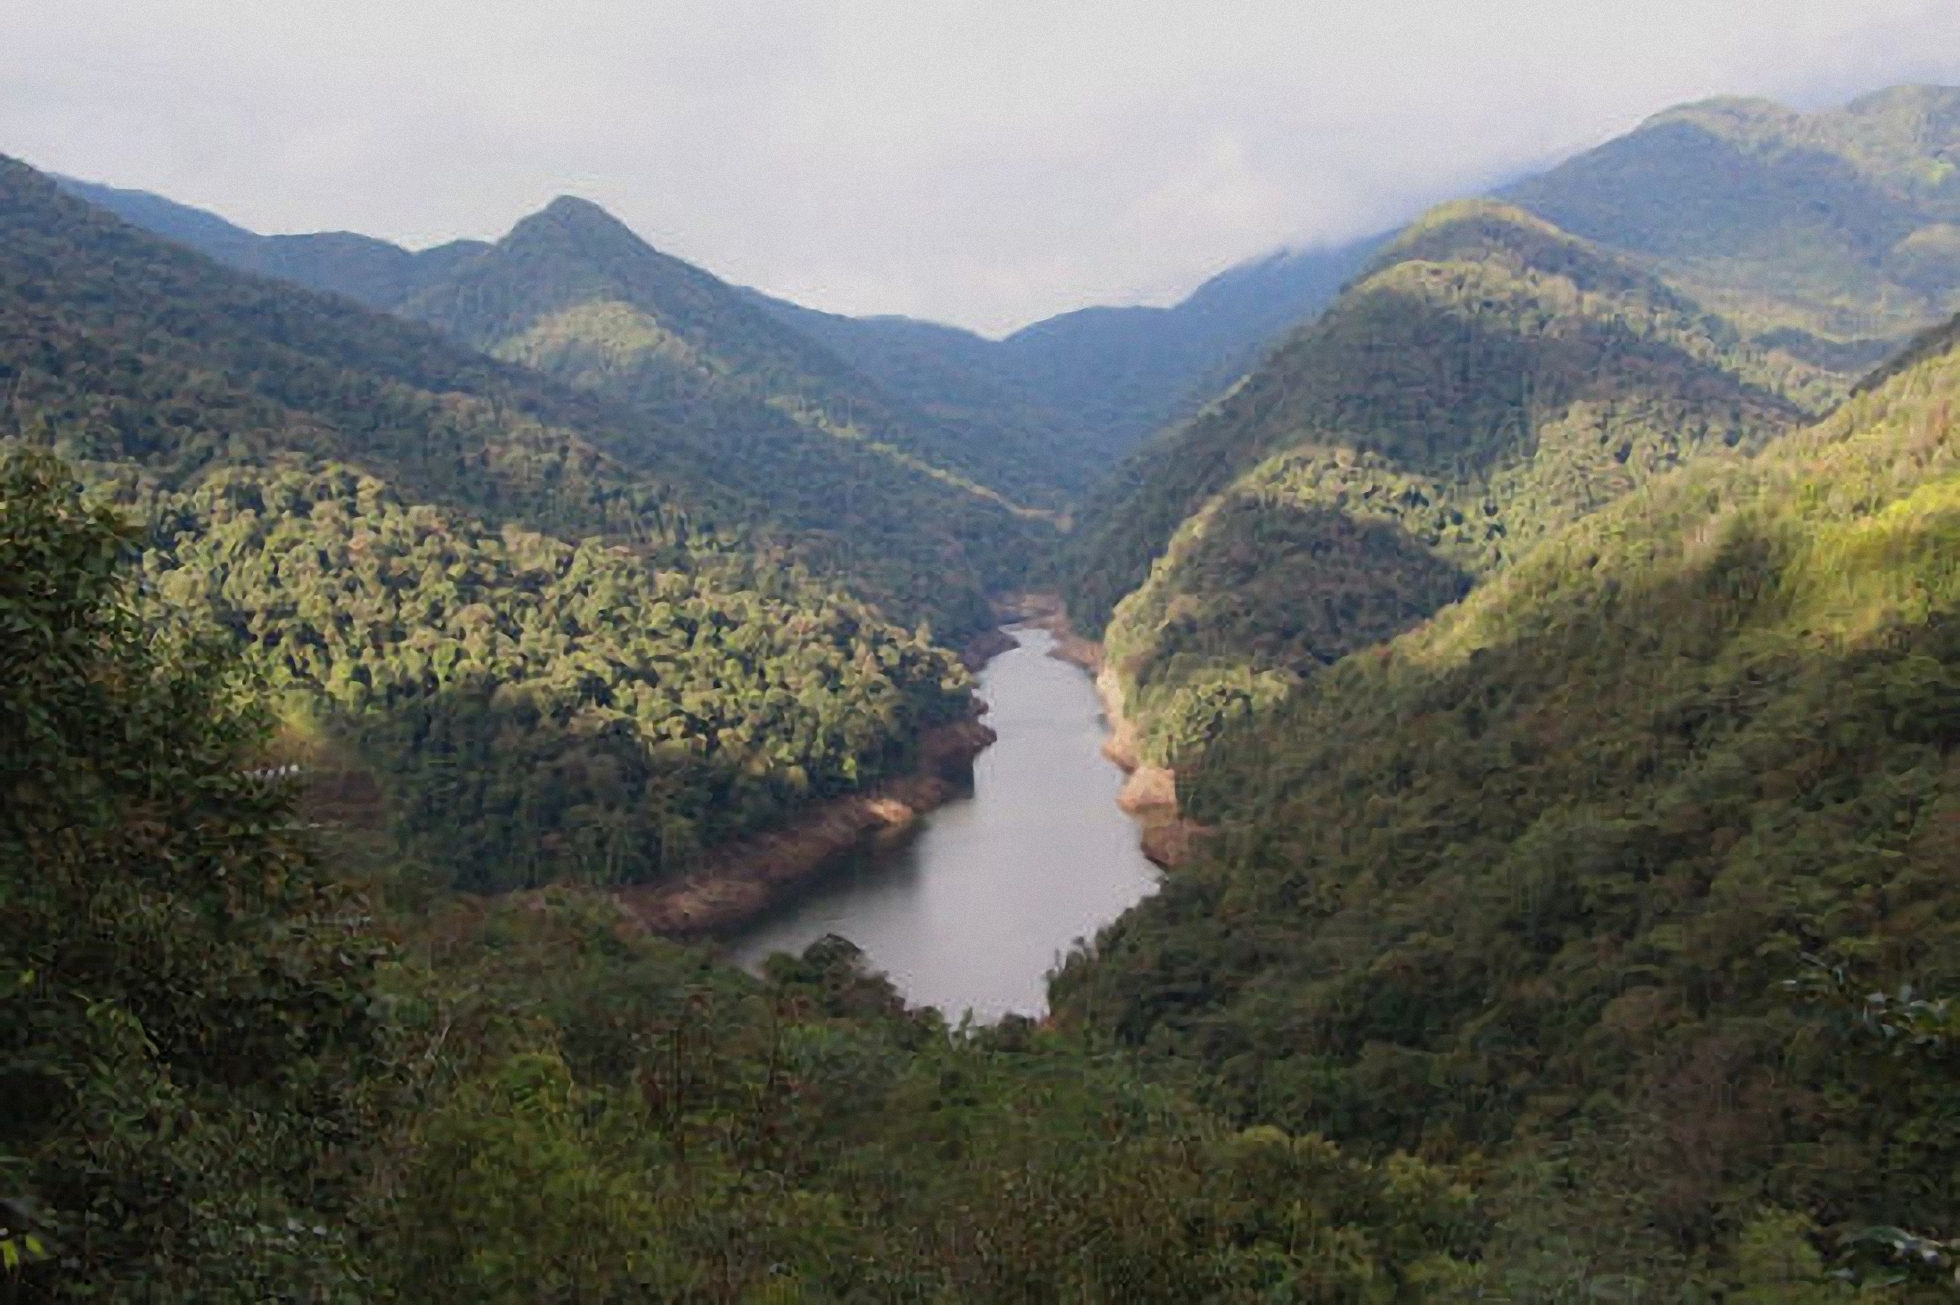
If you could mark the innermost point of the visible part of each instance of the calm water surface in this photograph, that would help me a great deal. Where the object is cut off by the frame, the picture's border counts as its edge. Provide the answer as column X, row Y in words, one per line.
column 972, row 910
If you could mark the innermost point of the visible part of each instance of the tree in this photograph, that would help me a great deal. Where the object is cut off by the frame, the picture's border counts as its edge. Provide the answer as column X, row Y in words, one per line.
column 183, row 995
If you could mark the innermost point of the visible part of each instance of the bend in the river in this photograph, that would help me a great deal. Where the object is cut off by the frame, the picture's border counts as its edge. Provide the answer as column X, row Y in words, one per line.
column 972, row 909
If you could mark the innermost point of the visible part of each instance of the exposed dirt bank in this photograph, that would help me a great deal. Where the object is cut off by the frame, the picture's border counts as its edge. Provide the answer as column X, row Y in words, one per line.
column 745, row 878
column 1150, row 792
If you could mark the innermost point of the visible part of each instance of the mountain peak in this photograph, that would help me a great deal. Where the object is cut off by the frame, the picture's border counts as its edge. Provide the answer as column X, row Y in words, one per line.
column 577, row 208
column 592, row 229
column 583, row 214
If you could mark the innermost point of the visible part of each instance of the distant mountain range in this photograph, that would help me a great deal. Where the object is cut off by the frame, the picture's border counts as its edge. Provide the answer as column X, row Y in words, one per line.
column 1834, row 235
column 543, row 631
column 1502, row 368
column 1040, row 415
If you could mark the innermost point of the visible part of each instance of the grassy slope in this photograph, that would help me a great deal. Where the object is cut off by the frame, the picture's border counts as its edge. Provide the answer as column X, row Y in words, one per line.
column 1490, row 380
column 1527, row 880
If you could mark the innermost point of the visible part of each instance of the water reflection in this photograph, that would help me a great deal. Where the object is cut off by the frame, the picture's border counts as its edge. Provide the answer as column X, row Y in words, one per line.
column 971, row 908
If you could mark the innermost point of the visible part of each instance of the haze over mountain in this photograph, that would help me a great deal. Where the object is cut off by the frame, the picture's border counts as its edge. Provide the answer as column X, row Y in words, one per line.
column 1299, row 517
column 1834, row 234
column 988, row 165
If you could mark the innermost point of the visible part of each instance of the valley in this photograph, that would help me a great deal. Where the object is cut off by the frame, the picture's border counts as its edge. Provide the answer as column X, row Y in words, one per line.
column 1428, row 770
column 970, row 910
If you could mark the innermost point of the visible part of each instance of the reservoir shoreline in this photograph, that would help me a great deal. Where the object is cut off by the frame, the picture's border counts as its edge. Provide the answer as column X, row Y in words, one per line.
column 753, row 876
column 750, row 877
column 1149, row 793
column 974, row 904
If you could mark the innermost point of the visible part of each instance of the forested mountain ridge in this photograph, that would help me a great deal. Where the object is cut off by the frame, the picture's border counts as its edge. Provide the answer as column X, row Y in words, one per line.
column 554, row 664
column 231, row 1078
column 1048, row 409
column 573, row 292
column 370, row 271
column 743, row 419
column 1103, row 378
column 745, row 409
column 1818, row 240
column 1529, row 881
column 1834, row 234
column 1489, row 379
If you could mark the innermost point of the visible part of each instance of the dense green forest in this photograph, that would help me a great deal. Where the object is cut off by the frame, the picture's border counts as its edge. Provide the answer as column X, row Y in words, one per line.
column 228, row 1079
column 542, row 660
column 232, row 1076
column 1833, row 234
column 1558, row 640
column 1491, row 379
column 686, row 385
column 1042, row 413
column 231, row 1079
column 1541, row 885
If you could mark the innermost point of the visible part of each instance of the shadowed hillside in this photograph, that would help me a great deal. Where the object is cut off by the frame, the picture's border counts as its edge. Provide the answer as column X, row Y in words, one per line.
column 1490, row 379
column 1531, row 882
column 514, row 611
column 1834, row 234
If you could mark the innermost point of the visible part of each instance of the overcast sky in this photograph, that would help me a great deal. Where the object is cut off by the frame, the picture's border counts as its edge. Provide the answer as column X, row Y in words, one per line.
column 987, row 162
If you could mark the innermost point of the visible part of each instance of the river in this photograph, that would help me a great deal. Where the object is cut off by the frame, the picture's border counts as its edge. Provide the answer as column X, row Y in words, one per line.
column 971, row 908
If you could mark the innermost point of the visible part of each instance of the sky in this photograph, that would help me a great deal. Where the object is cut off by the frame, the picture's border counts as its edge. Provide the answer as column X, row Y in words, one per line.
column 984, row 163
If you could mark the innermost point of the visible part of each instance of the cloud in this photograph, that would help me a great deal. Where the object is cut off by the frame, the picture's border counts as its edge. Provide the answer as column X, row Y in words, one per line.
column 980, row 162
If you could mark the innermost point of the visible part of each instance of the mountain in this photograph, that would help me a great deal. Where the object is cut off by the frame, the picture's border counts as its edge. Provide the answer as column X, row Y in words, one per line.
column 1489, row 379
column 573, row 292
column 1536, row 881
column 757, row 414
column 1045, row 412
column 1376, row 465
column 369, row 271
column 526, row 635
column 1098, row 380
column 1834, row 234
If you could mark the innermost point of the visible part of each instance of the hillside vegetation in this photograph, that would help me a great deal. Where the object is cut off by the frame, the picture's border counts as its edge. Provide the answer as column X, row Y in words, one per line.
column 573, row 292
column 1833, row 234
column 701, row 388
column 555, row 664
column 1529, row 883
column 1040, row 415
column 1489, row 380
column 227, row 1081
